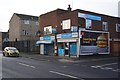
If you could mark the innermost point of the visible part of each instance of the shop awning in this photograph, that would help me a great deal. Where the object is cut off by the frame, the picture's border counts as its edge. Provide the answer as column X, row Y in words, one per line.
column 44, row 42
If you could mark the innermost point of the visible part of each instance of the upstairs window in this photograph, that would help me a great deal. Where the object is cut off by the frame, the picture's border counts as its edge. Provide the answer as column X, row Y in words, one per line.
column 88, row 24
column 26, row 21
column 105, row 26
column 66, row 24
column 117, row 27
column 37, row 23
column 25, row 32
column 48, row 30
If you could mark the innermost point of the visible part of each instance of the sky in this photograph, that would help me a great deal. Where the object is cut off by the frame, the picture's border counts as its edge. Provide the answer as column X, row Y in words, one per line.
column 38, row 7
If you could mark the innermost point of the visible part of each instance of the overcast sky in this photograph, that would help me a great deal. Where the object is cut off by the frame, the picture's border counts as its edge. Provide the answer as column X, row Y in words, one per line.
column 38, row 7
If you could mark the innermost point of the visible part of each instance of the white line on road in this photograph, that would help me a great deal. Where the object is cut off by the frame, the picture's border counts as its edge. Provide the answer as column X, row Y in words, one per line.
column 66, row 75
column 27, row 65
column 107, row 68
column 103, row 65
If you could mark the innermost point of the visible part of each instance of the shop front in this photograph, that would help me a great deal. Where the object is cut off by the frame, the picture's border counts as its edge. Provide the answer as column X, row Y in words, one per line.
column 46, row 45
column 67, row 44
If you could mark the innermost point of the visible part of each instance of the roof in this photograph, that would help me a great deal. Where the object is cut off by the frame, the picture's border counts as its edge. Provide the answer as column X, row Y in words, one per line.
column 84, row 11
column 62, row 11
column 27, row 17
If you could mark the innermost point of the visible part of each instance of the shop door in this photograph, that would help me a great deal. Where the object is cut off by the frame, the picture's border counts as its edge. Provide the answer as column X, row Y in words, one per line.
column 45, row 49
column 73, row 49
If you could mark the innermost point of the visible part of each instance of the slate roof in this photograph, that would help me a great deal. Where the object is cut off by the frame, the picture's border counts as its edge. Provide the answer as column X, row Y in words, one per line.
column 27, row 17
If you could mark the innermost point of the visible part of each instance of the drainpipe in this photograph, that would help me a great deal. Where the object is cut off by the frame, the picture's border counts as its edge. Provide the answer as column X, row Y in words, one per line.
column 79, row 36
column 78, row 44
column 55, row 44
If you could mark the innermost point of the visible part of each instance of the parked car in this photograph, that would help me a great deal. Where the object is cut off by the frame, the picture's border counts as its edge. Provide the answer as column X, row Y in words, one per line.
column 10, row 51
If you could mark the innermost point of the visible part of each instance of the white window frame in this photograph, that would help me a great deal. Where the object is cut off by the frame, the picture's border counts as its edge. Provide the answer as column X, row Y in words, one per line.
column 88, row 24
column 66, row 24
column 105, row 26
column 49, row 28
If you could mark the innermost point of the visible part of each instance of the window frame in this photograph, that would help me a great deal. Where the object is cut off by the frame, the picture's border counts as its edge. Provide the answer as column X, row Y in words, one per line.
column 117, row 27
column 26, row 21
column 88, row 24
column 105, row 26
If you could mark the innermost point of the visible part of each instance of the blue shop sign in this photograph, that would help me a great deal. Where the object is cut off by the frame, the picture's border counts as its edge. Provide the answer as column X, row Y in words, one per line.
column 54, row 30
column 74, row 28
column 46, row 37
column 67, row 35
column 88, row 16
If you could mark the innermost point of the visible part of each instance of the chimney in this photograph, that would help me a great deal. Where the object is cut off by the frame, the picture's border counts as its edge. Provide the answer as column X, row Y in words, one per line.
column 69, row 8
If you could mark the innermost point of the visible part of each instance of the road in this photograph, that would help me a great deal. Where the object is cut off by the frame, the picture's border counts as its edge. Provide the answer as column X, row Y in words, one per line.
column 21, row 67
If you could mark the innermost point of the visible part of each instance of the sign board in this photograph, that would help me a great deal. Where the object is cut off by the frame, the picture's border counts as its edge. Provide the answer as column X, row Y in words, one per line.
column 54, row 30
column 47, row 38
column 67, row 35
column 89, row 16
column 94, row 42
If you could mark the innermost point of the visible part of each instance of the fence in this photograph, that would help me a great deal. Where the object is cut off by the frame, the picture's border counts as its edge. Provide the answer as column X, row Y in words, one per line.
column 23, row 46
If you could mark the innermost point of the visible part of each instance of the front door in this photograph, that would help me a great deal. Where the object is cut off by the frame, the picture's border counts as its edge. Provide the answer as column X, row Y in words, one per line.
column 73, row 49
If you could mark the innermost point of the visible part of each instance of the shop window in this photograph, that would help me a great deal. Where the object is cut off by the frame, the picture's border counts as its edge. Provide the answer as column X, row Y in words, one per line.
column 105, row 26
column 117, row 27
column 88, row 23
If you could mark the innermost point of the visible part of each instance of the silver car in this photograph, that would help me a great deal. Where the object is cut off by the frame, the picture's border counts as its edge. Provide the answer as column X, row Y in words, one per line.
column 10, row 51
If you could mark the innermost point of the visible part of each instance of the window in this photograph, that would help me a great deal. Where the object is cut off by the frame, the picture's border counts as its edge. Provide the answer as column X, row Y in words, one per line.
column 48, row 30
column 25, row 32
column 88, row 23
column 36, row 23
column 117, row 27
column 105, row 26
column 66, row 24
column 26, row 21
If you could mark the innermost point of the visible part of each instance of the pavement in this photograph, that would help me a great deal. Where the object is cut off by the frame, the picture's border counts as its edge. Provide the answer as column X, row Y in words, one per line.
column 72, row 59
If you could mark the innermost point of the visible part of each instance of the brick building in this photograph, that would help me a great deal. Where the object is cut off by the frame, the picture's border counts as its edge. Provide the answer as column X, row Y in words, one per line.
column 22, row 27
column 22, row 31
column 61, row 28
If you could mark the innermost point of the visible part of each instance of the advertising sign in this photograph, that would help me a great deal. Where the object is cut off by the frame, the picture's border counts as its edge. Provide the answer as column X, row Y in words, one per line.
column 67, row 35
column 89, row 16
column 94, row 42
